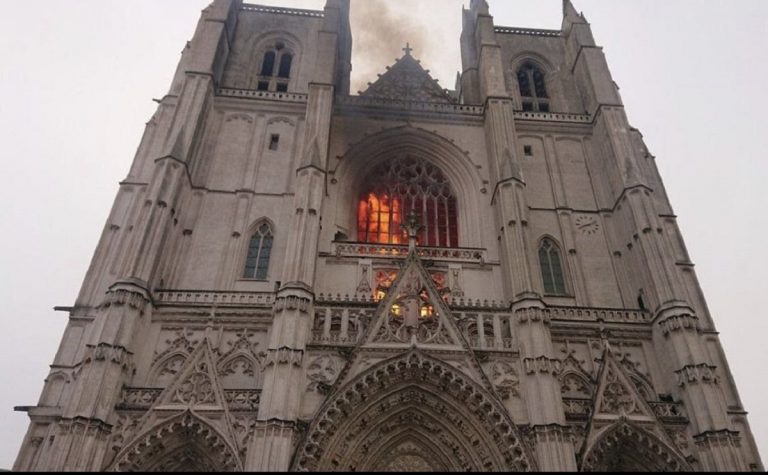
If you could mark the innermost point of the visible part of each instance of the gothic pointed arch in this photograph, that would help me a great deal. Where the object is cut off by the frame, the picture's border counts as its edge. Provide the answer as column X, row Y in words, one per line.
column 531, row 81
column 258, row 249
column 626, row 447
column 455, row 164
column 183, row 443
column 624, row 433
column 413, row 409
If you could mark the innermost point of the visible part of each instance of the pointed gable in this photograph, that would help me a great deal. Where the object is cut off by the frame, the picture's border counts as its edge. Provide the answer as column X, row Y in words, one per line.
column 617, row 395
column 407, row 80
column 414, row 313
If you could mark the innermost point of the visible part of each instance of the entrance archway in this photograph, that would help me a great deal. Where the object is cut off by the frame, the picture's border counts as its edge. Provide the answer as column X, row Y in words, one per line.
column 184, row 443
column 623, row 447
column 413, row 411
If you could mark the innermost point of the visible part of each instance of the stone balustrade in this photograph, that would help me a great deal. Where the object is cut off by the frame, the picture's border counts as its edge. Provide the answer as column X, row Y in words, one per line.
column 508, row 30
column 212, row 298
column 395, row 251
column 141, row 399
column 263, row 95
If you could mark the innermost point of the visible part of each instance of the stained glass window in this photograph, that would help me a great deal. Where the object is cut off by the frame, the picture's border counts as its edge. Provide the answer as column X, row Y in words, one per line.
column 259, row 253
column 403, row 186
column 551, row 268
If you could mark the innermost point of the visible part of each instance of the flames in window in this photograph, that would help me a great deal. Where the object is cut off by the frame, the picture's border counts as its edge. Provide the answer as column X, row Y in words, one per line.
column 402, row 186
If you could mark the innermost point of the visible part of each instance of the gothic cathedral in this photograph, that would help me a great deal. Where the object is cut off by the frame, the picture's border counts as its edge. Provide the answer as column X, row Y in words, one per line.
column 293, row 278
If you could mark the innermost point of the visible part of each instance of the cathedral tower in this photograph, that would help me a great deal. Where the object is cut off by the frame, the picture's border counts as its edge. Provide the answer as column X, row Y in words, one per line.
column 412, row 278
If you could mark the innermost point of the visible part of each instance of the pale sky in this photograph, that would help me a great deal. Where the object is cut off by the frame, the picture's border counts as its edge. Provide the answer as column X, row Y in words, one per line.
column 77, row 80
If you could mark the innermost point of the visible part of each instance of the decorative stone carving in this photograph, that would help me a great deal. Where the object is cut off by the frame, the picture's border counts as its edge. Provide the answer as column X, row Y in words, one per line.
column 616, row 399
column 505, row 379
column 364, row 287
column 197, row 388
column 542, row 364
column 284, row 356
column 681, row 322
column 701, row 373
column 322, row 373
column 292, row 303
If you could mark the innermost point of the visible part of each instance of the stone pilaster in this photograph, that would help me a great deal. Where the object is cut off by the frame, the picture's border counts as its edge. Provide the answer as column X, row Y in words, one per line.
column 107, row 363
column 698, row 381
column 554, row 445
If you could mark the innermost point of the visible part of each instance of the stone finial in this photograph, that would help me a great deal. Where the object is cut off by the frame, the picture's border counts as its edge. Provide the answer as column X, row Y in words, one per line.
column 413, row 226
column 407, row 49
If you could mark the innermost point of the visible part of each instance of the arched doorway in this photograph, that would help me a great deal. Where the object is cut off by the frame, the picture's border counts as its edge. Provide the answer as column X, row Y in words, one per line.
column 184, row 443
column 417, row 413
column 623, row 447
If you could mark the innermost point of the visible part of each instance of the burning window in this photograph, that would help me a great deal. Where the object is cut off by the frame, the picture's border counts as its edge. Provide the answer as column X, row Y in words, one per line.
column 402, row 186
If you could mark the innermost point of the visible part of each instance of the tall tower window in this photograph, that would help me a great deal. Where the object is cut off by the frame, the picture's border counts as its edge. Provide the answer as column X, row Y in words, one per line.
column 259, row 253
column 551, row 268
column 403, row 186
column 533, row 88
column 276, row 69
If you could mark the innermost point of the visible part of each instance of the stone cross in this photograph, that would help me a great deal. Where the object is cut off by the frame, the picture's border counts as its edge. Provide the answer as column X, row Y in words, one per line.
column 408, row 49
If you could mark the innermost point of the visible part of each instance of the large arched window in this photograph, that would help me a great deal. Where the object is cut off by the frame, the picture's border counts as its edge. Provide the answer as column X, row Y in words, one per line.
column 275, row 71
column 402, row 186
column 259, row 253
column 551, row 268
column 533, row 88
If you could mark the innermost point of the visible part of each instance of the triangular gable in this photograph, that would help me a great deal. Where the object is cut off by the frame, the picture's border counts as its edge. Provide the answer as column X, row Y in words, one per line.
column 407, row 80
column 618, row 402
column 196, row 389
column 414, row 314
column 617, row 396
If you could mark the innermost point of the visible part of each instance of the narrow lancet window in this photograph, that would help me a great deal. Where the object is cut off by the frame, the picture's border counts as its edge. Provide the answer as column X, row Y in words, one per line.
column 259, row 253
column 533, row 88
column 551, row 268
column 275, row 69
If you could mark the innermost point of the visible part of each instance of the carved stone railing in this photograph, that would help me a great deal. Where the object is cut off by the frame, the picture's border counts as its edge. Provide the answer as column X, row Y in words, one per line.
column 597, row 315
column 142, row 399
column 219, row 299
column 577, row 408
column 490, row 343
column 397, row 251
column 243, row 399
column 284, row 11
column 263, row 95
column 412, row 106
column 138, row 399
column 511, row 30
column 335, row 338
column 553, row 117
column 669, row 411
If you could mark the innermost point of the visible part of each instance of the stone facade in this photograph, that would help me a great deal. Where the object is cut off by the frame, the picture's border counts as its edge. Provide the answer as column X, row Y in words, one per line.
column 548, row 317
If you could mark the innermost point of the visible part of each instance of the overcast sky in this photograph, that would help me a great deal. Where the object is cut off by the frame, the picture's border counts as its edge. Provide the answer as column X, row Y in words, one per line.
column 77, row 80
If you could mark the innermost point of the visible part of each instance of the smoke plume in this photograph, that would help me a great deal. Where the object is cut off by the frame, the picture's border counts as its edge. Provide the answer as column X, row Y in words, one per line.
column 381, row 29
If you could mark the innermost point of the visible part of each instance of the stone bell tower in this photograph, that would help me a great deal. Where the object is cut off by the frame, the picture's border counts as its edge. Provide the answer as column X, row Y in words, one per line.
column 297, row 278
